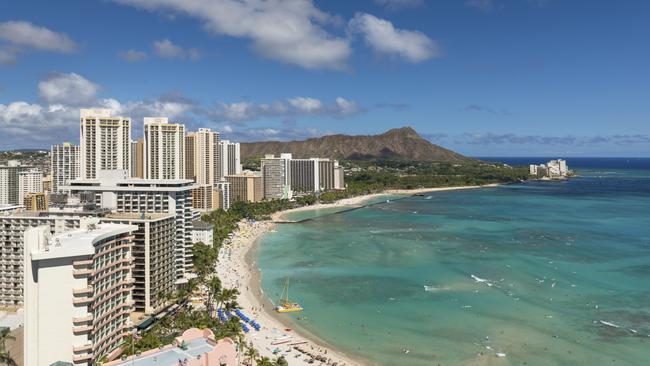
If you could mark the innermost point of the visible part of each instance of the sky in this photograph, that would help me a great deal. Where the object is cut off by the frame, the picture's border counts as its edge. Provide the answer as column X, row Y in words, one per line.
column 482, row 77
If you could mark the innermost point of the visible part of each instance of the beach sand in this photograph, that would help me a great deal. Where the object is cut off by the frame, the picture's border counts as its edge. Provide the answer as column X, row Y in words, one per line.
column 237, row 268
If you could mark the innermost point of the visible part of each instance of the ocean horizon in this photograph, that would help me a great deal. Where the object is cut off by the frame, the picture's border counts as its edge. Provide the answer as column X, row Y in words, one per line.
column 537, row 273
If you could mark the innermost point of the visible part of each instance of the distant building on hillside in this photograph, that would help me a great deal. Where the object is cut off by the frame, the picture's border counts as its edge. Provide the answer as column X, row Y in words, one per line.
column 554, row 169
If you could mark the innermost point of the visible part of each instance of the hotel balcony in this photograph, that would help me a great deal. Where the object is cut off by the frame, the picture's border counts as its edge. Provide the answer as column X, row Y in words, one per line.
column 82, row 263
column 82, row 272
column 81, row 291
column 82, row 358
column 83, row 319
column 83, row 348
column 82, row 300
column 82, row 329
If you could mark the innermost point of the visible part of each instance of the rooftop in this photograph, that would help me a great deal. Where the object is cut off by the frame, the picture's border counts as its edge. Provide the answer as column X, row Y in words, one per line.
column 79, row 241
column 198, row 224
column 136, row 216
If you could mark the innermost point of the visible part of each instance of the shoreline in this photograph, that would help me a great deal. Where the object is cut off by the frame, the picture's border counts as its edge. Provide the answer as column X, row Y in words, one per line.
column 237, row 268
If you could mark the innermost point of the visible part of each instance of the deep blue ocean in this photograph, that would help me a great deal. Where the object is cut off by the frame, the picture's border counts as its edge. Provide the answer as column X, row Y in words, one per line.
column 538, row 273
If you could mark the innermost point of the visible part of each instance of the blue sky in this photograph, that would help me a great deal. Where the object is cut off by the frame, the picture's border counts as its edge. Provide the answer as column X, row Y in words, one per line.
column 483, row 77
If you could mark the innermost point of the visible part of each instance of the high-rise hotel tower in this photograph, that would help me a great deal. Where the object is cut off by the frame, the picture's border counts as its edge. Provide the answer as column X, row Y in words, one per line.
column 105, row 142
column 164, row 149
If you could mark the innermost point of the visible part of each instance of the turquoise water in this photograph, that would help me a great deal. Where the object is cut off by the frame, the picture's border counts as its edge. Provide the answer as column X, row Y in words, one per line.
column 560, row 257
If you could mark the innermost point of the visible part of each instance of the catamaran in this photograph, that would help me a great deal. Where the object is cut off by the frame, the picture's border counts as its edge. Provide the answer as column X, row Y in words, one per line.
column 286, row 306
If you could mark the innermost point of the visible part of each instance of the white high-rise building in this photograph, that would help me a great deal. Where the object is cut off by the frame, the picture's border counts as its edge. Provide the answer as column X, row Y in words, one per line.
column 203, row 156
column 276, row 176
column 164, row 149
column 115, row 191
column 78, row 293
column 9, row 185
column 105, row 142
column 65, row 164
column 223, row 188
column 230, row 158
column 29, row 181
column 14, row 226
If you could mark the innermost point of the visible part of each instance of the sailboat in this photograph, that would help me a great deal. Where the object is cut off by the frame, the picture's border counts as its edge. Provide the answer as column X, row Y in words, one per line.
column 285, row 306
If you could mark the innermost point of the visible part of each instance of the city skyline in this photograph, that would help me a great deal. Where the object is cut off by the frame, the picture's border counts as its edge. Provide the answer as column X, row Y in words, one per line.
column 484, row 78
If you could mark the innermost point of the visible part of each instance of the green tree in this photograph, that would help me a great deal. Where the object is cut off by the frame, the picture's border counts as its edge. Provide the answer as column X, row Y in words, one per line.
column 281, row 361
column 5, row 335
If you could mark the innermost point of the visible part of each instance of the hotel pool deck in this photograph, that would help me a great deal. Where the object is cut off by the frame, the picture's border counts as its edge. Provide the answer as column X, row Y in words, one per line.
column 169, row 357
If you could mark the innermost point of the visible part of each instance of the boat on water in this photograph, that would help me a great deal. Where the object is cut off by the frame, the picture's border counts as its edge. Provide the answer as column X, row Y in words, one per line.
column 286, row 306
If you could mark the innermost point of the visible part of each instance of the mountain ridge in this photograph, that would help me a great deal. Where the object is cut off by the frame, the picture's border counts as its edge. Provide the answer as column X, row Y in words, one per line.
column 396, row 144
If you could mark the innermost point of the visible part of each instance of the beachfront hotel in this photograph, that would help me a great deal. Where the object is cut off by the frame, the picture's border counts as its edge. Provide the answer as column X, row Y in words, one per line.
column 246, row 187
column 153, row 256
column 195, row 347
column 64, row 160
column 164, row 149
column 78, row 293
column 276, row 176
column 554, row 169
column 113, row 190
column 284, row 176
column 105, row 142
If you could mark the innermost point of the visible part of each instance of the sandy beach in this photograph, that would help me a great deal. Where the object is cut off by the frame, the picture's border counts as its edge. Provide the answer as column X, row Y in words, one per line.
column 237, row 268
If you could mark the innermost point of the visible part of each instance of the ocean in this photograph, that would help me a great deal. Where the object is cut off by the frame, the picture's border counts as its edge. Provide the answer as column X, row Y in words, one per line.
column 538, row 273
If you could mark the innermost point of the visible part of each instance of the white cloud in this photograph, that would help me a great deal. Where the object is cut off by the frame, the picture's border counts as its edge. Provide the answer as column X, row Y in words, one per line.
column 291, row 31
column 306, row 104
column 26, row 34
column 291, row 107
column 133, row 55
column 273, row 134
column 346, row 107
column 383, row 37
column 55, row 117
column 167, row 49
column 240, row 111
column 69, row 89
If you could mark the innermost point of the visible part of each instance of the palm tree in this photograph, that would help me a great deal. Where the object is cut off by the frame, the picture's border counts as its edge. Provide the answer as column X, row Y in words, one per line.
column 214, row 288
column 264, row 361
column 6, row 359
column 5, row 335
column 251, row 354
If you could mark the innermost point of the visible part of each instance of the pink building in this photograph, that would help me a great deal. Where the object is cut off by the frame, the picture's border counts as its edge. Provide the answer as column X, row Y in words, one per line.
column 195, row 347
